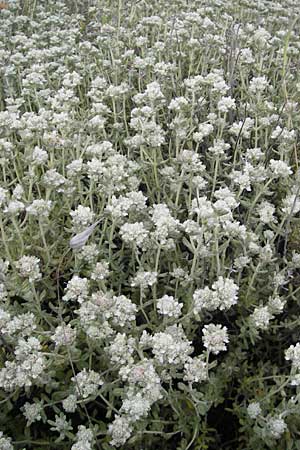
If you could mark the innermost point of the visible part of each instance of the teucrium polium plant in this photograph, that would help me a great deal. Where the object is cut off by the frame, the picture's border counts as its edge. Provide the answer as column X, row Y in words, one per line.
column 149, row 217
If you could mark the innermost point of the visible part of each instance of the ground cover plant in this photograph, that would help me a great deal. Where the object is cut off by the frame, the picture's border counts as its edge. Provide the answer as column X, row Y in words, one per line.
column 150, row 262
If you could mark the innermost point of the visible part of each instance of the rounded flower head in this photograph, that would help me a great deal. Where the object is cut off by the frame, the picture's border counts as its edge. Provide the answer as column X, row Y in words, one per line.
column 293, row 354
column 169, row 306
column 276, row 427
column 120, row 430
column 215, row 338
column 253, row 410
column 29, row 268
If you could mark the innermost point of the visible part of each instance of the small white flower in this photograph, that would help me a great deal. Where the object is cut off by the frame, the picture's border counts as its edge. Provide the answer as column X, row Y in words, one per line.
column 39, row 156
column 225, row 104
column 261, row 317
column 120, row 430
column 101, row 271
column 195, row 370
column 258, row 84
column 171, row 346
column 253, row 410
column 276, row 304
column 169, row 306
column 85, row 438
column 293, row 354
column 223, row 296
column 134, row 233
column 39, row 208
column 280, row 168
column 144, row 279
column 276, row 427
column 70, row 403
column 5, row 442
column 77, row 289
column 29, row 267
column 64, row 335
column 215, row 338
column 88, row 253
column 266, row 212
column 87, row 383
column 32, row 412
column 81, row 218
column 14, row 207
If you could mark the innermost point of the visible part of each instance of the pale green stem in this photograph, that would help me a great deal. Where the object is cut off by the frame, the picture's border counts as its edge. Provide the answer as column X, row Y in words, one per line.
column 44, row 241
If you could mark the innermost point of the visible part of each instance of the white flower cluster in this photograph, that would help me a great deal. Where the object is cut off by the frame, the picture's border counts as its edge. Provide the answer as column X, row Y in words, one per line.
column 81, row 218
column 275, row 427
column 121, row 349
column 291, row 204
column 114, row 174
column 195, row 370
column 102, row 308
column 225, row 104
column 70, row 403
column 276, row 304
column 77, row 290
column 28, row 367
column 64, row 335
column 266, row 212
column 204, row 130
column 87, row 383
column 122, row 311
column 134, row 233
column 293, row 354
column 120, row 430
column 39, row 156
column 171, row 346
column 253, row 410
column 91, row 314
column 219, row 148
column 190, row 162
column 279, row 168
column 5, row 442
column 39, row 208
column 215, row 338
column 258, row 84
column 143, row 390
column 242, row 128
column 169, row 306
column 21, row 324
column 261, row 317
column 164, row 223
column 88, row 253
column 144, row 279
column 84, row 438
column 53, row 179
column 135, row 405
column 14, row 207
column 75, row 168
column 100, row 271
column 28, row 267
column 122, row 206
column 33, row 412
column 223, row 296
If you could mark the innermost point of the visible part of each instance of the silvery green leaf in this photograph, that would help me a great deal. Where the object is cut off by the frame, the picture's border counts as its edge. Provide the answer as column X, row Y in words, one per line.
column 80, row 239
